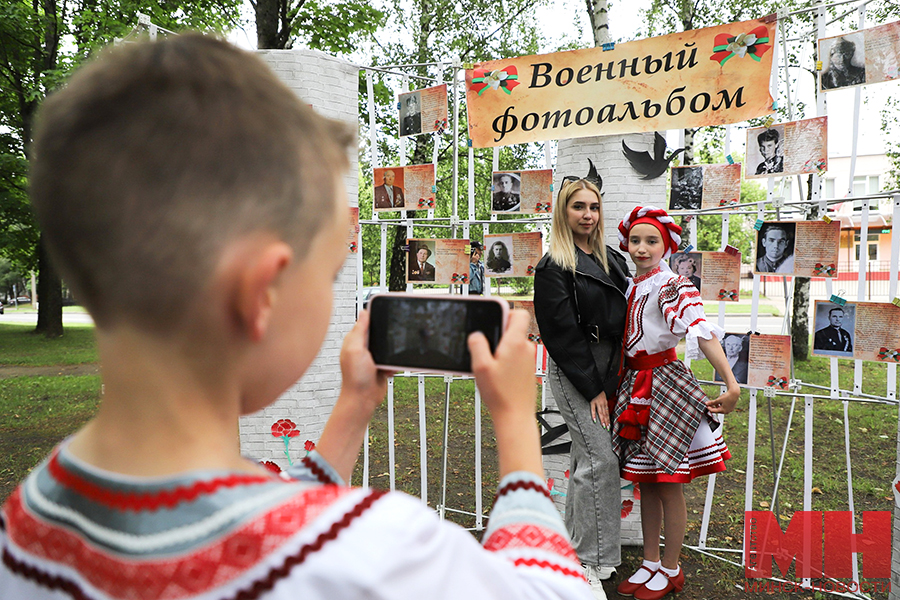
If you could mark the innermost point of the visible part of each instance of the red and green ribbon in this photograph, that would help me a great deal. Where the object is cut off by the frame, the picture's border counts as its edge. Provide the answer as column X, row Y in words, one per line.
column 753, row 44
column 498, row 79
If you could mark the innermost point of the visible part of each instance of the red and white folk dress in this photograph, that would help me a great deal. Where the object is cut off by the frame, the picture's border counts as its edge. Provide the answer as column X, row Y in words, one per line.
column 662, row 430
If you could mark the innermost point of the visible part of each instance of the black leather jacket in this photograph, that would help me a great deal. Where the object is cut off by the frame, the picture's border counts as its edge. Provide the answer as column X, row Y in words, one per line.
column 577, row 311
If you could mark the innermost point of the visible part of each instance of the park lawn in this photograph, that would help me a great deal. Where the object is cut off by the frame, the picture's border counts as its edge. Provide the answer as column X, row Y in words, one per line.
column 36, row 413
column 20, row 346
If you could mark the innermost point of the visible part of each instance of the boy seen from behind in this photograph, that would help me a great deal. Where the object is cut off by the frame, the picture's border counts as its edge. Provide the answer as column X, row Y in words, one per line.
column 183, row 169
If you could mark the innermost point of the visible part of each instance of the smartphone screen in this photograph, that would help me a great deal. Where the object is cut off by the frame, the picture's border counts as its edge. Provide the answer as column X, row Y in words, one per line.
column 430, row 333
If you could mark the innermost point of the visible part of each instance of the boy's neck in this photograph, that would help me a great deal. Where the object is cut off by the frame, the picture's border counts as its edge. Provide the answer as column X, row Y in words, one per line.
column 160, row 415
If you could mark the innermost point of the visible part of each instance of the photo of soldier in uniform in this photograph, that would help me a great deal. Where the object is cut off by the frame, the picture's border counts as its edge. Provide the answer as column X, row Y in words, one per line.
column 507, row 188
column 835, row 325
column 419, row 269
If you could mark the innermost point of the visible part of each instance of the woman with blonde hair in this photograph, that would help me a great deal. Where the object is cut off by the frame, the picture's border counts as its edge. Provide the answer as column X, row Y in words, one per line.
column 580, row 306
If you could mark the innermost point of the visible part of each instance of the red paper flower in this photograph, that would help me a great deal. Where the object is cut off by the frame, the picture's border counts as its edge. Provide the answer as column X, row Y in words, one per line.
column 309, row 445
column 270, row 466
column 567, row 473
column 627, row 505
column 550, row 484
column 284, row 428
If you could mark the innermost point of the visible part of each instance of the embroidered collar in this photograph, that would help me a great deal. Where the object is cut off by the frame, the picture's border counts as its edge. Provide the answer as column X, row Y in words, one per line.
column 648, row 274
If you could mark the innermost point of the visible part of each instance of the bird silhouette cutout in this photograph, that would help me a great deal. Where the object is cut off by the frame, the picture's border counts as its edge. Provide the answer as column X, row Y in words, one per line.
column 593, row 176
column 650, row 167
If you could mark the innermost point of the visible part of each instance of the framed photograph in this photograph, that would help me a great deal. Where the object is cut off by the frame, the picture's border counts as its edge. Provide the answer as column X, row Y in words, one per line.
column 687, row 188
column 799, row 248
column 403, row 188
column 859, row 330
column 512, row 254
column 522, row 192
column 353, row 230
column 860, row 57
column 737, row 351
column 716, row 275
column 423, row 111
column 794, row 148
column 444, row 261
column 506, row 192
column 527, row 305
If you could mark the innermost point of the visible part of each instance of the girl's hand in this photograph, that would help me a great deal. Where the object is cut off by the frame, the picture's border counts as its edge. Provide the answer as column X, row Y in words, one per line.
column 600, row 410
column 726, row 402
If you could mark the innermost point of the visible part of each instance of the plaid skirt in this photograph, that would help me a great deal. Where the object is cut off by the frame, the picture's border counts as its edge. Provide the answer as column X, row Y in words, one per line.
column 680, row 441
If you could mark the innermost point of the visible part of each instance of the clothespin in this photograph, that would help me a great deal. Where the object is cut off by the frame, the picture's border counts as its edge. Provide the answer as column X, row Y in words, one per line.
column 775, row 105
column 818, row 65
column 827, row 219
column 896, row 301
column 398, row 105
column 777, row 201
column 470, row 142
column 769, row 120
column 729, row 249
column 688, row 248
column 758, row 225
column 729, row 159
column 434, row 189
column 688, row 218
column 468, row 65
column 609, row 46
column 551, row 187
column 836, row 299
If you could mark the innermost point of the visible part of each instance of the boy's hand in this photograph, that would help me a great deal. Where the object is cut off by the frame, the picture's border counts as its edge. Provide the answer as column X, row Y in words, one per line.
column 359, row 376
column 506, row 381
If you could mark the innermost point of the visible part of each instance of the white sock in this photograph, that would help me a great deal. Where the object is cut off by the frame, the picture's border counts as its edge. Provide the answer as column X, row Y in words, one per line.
column 642, row 575
column 659, row 580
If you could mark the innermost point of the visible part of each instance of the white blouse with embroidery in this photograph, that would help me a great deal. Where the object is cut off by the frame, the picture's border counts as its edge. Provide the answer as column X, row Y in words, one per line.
column 663, row 308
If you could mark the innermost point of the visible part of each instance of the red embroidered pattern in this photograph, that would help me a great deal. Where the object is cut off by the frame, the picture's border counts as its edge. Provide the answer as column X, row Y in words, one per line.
column 532, row 562
column 521, row 485
column 634, row 328
column 212, row 565
column 149, row 501
column 530, row 536
column 316, row 470
column 647, row 275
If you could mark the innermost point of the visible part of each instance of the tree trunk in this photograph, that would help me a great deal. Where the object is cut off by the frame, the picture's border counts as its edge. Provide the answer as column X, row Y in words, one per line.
column 599, row 15
column 688, row 154
column 267, row 22
column 49, row 295
column 397, row 273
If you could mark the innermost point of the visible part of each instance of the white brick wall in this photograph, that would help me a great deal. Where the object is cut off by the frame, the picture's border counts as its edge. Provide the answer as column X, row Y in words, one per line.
column 330, row 86
column 622, row 191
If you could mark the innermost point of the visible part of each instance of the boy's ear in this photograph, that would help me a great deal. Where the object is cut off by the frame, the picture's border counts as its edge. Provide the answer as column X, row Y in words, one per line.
column 258, row 287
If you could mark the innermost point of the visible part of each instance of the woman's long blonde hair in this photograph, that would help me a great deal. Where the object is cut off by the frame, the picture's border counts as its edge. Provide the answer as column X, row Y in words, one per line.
column 562, row 244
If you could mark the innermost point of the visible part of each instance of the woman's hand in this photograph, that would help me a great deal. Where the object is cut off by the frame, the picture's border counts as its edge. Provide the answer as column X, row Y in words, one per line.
column 600, row 410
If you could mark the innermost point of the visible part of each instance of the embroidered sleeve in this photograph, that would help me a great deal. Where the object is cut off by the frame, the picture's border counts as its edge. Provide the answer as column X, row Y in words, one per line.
column 315, row 468
column 680, row 304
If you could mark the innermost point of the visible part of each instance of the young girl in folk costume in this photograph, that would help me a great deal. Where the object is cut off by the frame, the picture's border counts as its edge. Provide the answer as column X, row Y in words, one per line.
column 663, row 432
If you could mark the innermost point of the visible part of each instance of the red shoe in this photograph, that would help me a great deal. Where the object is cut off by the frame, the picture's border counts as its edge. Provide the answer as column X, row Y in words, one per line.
column 626, row 588
column 675, row 584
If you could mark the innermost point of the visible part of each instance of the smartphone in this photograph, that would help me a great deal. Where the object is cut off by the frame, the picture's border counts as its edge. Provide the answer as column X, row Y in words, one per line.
column 421, row 332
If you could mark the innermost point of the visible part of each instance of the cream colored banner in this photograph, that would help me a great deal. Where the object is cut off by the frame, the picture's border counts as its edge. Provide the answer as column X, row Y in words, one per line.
column 694, row 78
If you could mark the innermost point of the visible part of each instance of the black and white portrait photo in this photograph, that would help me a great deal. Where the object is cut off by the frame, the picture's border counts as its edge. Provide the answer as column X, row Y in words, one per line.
column 688, row 266
column 687, row 188
column 507, row 192
column 737, row 351
column 835, row 328
column 770, row 147
column 843, row 61
column 498, row 257
column 775, row 248
column 410, row 114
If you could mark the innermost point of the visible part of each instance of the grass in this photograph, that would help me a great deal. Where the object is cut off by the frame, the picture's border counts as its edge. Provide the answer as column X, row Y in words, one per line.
column 35, row 414
column 20, row 346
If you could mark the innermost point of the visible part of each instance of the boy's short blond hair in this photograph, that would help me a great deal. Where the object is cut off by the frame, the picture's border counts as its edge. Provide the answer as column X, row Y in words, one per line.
column 157, row 155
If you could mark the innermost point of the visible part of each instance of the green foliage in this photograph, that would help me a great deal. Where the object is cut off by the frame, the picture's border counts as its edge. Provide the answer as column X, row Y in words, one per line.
column 892, row 146
column 337, row 27
column 424, row 33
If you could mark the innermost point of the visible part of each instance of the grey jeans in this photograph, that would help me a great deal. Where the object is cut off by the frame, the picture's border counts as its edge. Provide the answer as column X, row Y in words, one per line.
column 593, row 498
